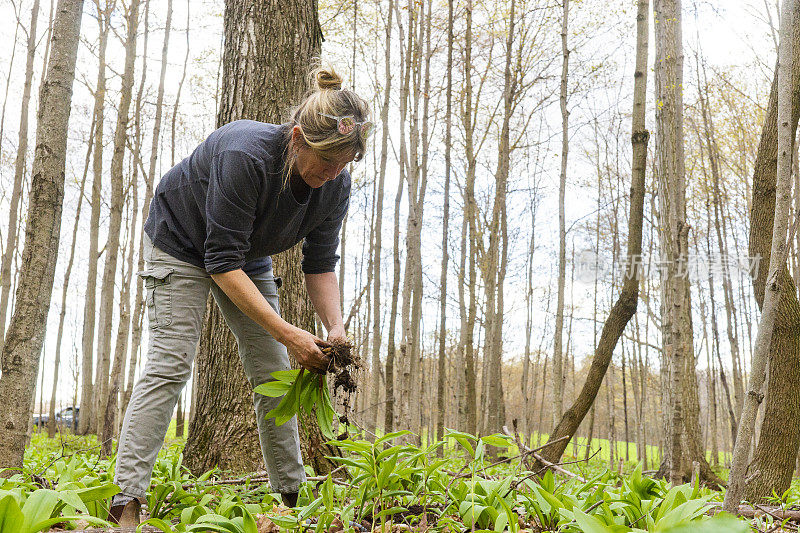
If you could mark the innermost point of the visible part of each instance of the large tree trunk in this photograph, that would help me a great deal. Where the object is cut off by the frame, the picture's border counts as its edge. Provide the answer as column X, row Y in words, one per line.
column 19, row 171
column 268, row 48
column 626, row 303
column 20, row 355
column 778, row 442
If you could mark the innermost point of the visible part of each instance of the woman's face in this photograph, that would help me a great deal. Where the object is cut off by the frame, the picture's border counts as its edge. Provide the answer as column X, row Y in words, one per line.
column 316, row 170
column 313, row 168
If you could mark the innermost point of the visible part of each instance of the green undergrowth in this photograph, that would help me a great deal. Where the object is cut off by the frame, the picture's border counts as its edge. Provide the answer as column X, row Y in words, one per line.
column 461, row 483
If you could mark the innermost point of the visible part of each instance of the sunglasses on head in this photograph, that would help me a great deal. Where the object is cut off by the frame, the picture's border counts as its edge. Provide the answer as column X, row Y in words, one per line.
column 347, row 123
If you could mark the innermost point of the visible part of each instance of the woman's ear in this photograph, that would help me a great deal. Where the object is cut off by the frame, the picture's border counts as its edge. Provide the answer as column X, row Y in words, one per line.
column 297, row 135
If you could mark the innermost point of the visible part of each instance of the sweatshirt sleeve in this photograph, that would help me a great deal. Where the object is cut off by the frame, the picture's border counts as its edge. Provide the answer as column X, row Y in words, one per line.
column 233, row 190
column 319, row 247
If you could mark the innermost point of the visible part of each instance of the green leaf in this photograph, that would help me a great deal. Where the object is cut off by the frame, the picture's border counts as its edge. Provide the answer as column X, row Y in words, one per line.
column 501, row 441
column 11, row 516
column 391, row 436
column 273, row 389
column 38, row 507
column 100, row 492
column 590, row 524
column 156, row 523
column 71, row 497
column 287, row 376
column 44, row 525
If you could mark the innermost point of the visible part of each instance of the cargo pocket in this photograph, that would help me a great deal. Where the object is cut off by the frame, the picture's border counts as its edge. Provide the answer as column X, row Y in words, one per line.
column 158, row 295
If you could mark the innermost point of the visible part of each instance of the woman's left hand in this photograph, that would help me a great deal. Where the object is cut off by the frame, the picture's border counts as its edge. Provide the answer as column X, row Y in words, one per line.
column 337, row 333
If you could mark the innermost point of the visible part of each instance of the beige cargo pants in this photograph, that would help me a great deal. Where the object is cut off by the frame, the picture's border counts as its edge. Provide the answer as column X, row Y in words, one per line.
column 176, row 301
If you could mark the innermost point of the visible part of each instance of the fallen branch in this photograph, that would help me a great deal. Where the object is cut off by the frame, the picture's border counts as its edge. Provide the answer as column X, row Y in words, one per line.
column 749, row 511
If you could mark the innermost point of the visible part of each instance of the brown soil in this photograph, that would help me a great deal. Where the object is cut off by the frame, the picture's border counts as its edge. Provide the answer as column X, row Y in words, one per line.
column 343, row 360
column 344, row 364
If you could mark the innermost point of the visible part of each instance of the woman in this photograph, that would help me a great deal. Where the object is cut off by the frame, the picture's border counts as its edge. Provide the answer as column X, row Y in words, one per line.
column 249, row 191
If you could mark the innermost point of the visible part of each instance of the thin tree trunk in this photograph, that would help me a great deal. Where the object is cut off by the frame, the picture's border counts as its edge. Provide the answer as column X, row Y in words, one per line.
column 441, row 368
column 109, row 385
column 51, row 421
column 87, row 419
column 19, row 172
column 471, row 212
column 25, row 335
column 625, row 306
column 558, row 364
column 376, row 261
column 138, row 308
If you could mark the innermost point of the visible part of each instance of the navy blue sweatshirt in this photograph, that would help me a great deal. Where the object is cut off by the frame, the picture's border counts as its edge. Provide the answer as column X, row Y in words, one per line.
column 224, row 207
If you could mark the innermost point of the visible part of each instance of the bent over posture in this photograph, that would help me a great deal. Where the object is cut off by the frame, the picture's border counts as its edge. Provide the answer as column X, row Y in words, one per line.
column 249, row 191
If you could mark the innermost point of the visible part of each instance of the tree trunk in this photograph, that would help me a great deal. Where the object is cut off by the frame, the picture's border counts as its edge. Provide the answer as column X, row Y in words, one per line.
column 626, row 303
column 558, row 363
column 19, row 171
column 109, row 385
column 138, row 309
column 262, row 45
column 778, row 443
column 22, row 349
column 441, row 367
column 51, row 420
column 376, row 260
column 88, row 394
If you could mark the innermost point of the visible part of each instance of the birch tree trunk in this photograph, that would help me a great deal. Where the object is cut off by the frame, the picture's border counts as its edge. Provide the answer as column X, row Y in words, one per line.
column 19, row 171
column 25, row 336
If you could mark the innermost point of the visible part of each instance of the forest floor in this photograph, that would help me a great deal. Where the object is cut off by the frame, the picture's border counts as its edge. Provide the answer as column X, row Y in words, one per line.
column 384, row 486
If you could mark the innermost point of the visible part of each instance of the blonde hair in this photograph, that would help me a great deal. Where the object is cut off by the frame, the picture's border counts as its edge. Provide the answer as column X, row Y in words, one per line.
column 320, row 133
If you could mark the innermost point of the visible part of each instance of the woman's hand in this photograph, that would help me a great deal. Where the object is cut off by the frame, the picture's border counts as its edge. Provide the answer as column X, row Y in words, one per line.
column 305, row 348
column 336, row 333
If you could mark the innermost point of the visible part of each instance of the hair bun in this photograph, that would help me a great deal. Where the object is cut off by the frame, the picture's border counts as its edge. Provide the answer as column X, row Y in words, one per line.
column 328, row 79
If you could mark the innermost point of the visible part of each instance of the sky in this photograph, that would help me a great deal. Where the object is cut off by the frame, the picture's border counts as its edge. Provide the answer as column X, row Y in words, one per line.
column 730, row 33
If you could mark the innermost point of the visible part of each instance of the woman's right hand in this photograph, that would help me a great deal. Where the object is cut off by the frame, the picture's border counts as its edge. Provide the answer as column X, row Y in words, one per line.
column 305, row 348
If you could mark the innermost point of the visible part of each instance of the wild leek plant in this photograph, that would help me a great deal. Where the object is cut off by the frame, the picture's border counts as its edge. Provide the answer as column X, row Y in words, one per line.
column 301, row 389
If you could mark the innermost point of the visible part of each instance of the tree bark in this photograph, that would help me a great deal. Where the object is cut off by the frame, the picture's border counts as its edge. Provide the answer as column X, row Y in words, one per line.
column 19, row 171
column 25, row 336
column 109, row 385
column 51, row 420
column 441, row 366
column 273, row 45
column 778, row 442
column 376, row 260
column 86, row 421
column 558, row 363
column 625, row 306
